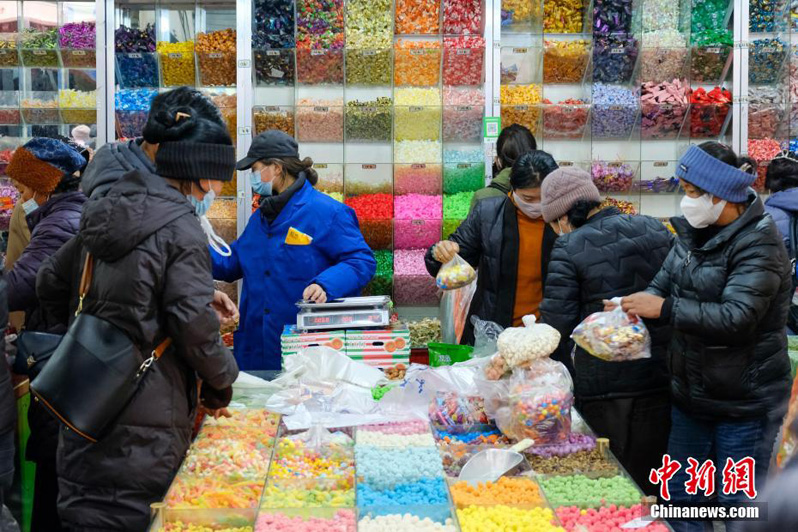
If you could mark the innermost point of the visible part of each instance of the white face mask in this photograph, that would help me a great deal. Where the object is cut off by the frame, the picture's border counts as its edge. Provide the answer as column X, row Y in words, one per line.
column 533, row 210
column 30, row 206
column 701, row 212
column 216, row 242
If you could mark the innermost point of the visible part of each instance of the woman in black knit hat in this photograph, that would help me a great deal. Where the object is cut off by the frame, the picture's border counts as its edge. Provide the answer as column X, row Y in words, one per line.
column 152, row 279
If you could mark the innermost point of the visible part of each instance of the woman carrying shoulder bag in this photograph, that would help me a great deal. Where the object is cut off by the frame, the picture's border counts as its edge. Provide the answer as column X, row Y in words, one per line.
column 152, row 280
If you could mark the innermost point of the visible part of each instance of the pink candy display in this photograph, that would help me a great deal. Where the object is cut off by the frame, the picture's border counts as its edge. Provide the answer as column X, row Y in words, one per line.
column 404, row 428
column 417, row 178
column 415, row 234
column 762, row 151
column 462, row 114
column 664, row 106
column 341, row 521
column 463, row 60
column 418, row 207
column 320, row 121
column 462, row 17
column 412, row 284
column 612, row 176
column 566, row 119
column 605, row 519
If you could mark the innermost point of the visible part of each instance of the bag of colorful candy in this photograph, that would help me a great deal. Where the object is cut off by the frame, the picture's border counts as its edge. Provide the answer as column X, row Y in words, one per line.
column 538, row 408
column 456, row 273
column 520, row 346
column 453, row 412
column 613, row 336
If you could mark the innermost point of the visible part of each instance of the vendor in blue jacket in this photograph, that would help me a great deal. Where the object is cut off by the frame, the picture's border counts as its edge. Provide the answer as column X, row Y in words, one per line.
column 300, row 244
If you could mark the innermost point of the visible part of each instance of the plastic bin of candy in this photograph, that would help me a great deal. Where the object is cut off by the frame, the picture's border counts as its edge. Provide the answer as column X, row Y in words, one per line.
column 137, row 70
column 766, row 58
column 369, row 67
column 9, row 108
column 417, row 122
column 235, row 460
column 308, row 493
column 449, row 227
column 331, row 178
column 457, row 206
column 708, row 119
column 378, row 234
column 213, row 492
column 590, row 520
column 463, row 60
column 520, row 66
column 273, row 117
column 660, row 121
column 79, row 116
column 407, row 517
column 567, row 119
column 319, row 120
column 40, row 108
column 414, row 206
column 614, row 176
column 520, row 492
column 73, row 58
column 594, row 462
column 414, row 290
column 521, row 16
column 217, row 69
column 462, row 123
column 414, row 234
column 274, row 67
column 463, row 177
column 709, row 64
column 315, row 518
column 419, row 178
column 130, row 124
column 177, row 64
column 417, row 62
column 369, row 121
column 382, row 282
column 614, row 121
column 463, row 17
column 614, row 59
column 766, row 119
column 314, row 67
column 663, row 64
column 40, row 49
column 206, row 519
column 565, row 61
column 526, row 115
column 247, row 417
column 591, row 491
column 9, row 43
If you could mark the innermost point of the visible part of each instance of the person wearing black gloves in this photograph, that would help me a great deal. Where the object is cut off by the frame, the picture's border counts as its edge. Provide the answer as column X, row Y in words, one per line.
column 152, row 279
column 601, row 254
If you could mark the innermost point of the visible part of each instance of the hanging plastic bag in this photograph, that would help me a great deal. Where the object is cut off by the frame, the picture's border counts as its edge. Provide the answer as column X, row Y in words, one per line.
column 456, row 273
column 538, row 408
column 486, row 333
column 454, row 311
column 613, row 336
column 521, row 345
column 454, row 412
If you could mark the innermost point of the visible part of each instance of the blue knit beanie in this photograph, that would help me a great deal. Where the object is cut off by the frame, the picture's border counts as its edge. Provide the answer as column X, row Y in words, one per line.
column 723, row 181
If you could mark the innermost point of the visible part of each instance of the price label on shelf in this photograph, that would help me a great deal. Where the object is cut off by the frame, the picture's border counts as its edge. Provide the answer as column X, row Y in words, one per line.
column 368, row 166
column 176, row 55
column 134, row 56
column 566, row 163
column 615, row 164
column 322, row 166
column 3, row 52
column 660, row 164
column 79, row 52
column 244, row 63
column 368, row 53
column 40, row 52
column 616, row 107
column 464, row 165
column 417, row 52
column 464, row 108
column 520, row 50
column 521, row 107
column 243, row 130
column 272, row 53
column 216, row 55
column 321, row 109
column 276, row 73
column 416, row 109
column 767, row 50
column 464, row 52
column 317, row 52
column 271, row 109
column 418, row 166
column 417, row 222
column 713, row 50
column 617, row 51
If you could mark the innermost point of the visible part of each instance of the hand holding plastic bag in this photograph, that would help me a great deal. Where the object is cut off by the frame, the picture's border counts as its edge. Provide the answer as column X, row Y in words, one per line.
column 521, row 345
column 613, row 336
column 456, row 273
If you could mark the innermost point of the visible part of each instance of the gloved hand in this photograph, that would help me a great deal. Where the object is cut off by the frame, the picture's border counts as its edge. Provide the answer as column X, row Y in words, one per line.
column 212, row 399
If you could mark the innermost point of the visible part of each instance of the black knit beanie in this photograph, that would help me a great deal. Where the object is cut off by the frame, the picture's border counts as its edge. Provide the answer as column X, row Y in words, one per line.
column 195, row 161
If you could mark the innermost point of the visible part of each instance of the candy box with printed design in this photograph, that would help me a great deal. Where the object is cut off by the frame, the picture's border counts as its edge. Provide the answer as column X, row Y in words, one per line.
column 291, row 341
column 388, row 341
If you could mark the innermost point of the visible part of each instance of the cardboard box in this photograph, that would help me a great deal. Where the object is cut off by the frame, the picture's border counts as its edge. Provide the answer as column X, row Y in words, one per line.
column 292, row 341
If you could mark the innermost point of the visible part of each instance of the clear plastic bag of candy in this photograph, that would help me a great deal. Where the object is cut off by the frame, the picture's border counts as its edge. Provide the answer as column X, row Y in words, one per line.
column 454, row 412
column 613, row 336
column 538, row 408
column 521, row 345
column 456, row 273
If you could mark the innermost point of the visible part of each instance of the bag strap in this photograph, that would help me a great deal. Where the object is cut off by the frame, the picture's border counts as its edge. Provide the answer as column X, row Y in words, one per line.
column 794, row 246
column 85, row 281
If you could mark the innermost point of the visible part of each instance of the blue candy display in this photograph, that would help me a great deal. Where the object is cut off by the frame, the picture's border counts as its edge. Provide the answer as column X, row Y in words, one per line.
column 424, row 491
column 384, row 468
column 136, row 70
column 614, row 59
column 615, row 111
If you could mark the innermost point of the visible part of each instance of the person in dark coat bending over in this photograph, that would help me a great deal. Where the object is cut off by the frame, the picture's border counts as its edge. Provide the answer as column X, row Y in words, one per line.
column 152, row 279
column 601, row 254
column 506, row 238
column 724, row 290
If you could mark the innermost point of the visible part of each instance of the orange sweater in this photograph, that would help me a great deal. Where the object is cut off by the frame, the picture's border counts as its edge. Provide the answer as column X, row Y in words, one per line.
column 529, row 287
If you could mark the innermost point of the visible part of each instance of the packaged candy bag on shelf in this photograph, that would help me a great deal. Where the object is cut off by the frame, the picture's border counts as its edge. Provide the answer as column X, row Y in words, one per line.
column 521, row 345
column 454, row 412
column 486, row 333
column 613, row 336
column 456, row 273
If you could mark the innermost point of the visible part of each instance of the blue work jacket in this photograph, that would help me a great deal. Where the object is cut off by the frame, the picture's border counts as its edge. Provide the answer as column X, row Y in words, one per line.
column 276, row 271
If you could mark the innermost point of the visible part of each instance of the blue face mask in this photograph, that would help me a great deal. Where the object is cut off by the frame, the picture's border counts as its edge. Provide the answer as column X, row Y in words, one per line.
column 260, row 187
column 201, row 207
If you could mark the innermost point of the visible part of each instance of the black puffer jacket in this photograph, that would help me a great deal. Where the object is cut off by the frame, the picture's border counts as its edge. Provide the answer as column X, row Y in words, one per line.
column 612, row 255
column 8, row 405
column 111, row 162
column 489, row 241
column 152, row 279
column 728, row 353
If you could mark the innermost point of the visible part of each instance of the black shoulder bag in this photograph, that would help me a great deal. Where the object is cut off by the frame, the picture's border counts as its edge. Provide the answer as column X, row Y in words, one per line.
column 792, row 316
column 93, row 373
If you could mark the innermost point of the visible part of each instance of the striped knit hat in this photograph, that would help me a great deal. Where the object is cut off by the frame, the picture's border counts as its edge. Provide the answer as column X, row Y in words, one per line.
column 42, row 162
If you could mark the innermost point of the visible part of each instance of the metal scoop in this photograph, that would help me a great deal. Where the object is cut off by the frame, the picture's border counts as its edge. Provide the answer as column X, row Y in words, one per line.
column 491, row 464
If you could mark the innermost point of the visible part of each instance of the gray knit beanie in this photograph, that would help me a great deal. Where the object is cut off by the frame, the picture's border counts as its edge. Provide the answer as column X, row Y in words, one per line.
column 564, row 187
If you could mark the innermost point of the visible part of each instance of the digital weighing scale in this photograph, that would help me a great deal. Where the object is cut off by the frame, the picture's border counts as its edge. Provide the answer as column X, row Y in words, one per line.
column 345, row 313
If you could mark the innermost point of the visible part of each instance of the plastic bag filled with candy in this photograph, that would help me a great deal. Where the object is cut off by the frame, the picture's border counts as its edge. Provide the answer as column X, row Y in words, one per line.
column 538, row 408
column 455, row 274
column 521, row 345
column 613, row 336
column 453, row 412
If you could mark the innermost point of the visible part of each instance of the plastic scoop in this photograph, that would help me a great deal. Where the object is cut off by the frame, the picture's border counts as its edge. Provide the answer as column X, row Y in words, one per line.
column 491, row 464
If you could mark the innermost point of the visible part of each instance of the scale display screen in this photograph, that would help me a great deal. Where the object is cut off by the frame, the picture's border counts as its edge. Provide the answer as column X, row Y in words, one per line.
column 333, row 320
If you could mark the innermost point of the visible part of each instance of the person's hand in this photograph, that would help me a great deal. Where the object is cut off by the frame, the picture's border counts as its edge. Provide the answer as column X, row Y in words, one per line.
column 226, row 310
column 609, row 305
column 445, row 250
column 643, row 304
column 217, row 413
column 315, row 293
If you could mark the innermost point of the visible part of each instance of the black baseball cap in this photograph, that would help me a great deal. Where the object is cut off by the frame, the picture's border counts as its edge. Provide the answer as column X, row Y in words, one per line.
column 271, row 144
